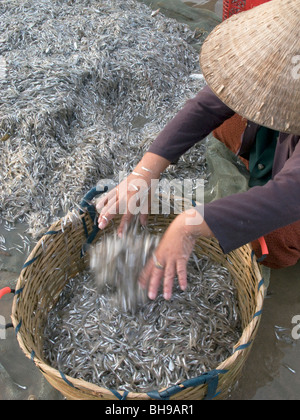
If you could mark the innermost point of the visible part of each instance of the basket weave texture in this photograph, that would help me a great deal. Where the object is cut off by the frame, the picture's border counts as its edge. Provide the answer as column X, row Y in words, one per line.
column 59, row 256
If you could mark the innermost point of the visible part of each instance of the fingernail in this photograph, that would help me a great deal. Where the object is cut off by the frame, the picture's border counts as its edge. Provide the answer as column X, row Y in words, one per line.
column 167, row 296
column 101, row 225
column 151, row 295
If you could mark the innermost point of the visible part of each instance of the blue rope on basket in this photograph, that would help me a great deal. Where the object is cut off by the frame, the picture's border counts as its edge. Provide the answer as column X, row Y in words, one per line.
column 93, row 215
column 211, row 379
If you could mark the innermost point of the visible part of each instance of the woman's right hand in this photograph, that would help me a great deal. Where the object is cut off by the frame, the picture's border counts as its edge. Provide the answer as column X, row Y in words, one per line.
column 128, row 198
column 132, row 195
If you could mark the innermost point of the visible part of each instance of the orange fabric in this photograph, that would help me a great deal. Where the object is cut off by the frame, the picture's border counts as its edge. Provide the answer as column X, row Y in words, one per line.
column 283, row 244
column 230, row 133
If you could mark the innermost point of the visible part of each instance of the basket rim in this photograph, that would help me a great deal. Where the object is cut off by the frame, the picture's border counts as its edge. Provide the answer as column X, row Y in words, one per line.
column 244, row 343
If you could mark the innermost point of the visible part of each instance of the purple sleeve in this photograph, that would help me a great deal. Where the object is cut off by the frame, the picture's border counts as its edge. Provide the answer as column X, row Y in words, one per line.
column 241, row 218
column 199, row 117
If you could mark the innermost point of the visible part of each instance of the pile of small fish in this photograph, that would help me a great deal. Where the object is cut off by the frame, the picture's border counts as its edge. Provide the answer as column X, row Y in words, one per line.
column 88, row 336
column 86, row 86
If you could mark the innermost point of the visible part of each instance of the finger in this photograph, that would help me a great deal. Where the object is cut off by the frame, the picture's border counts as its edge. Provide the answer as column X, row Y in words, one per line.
column 104, row 219
column 101, row 203
column 146, row 274
column 170, row 273
column 108, row 213
column 110, row 201
column 154, row 283
column 125, row 221
column 182, row 273
column 144, row 219
column 104, row 199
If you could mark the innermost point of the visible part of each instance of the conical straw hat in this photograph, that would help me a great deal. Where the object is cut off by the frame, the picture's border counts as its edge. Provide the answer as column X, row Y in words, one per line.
column 252, row 63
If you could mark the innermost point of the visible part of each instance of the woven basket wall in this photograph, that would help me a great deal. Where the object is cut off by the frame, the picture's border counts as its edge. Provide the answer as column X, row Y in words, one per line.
column 57, row 257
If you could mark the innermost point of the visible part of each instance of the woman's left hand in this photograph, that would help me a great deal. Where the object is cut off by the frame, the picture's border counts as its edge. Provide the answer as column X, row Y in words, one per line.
column 172, row 254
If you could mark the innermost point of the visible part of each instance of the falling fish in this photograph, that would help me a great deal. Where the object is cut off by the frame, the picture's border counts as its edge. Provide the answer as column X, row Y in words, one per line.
column 117, row 263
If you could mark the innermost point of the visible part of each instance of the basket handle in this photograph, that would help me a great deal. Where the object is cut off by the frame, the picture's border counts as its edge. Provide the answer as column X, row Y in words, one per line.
column 91, row 209
column 91, row 195
column 86, row 202
column 5, row 291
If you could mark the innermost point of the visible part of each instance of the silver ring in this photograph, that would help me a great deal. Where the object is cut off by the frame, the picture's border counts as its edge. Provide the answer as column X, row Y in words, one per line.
column 157, row 264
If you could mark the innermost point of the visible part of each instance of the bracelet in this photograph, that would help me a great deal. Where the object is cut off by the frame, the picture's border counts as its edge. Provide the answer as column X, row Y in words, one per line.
column 134, row 186
column 145, row 169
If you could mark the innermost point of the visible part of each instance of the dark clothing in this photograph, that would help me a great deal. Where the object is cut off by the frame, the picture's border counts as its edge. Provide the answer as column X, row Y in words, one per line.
column 240, row 218
column 261, row 157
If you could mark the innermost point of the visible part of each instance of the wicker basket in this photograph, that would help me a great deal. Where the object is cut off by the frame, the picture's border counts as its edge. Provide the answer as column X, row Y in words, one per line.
column 60, row 255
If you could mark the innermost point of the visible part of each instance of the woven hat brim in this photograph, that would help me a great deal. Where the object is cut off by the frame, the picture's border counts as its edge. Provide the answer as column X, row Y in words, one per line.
column 252, row 63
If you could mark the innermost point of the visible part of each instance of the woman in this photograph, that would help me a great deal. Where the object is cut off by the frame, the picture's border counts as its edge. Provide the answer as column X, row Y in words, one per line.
column 249, row 64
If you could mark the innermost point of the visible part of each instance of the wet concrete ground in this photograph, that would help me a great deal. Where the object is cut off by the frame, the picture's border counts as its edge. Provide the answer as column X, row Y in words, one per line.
column 272, row 371
column 19, row 377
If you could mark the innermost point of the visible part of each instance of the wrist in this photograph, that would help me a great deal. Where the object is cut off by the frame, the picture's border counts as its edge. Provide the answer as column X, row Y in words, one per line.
column 194, row 224
column 151, row 166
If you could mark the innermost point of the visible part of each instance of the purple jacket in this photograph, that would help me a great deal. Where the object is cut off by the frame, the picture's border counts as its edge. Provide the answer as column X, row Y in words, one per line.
column 240, row 218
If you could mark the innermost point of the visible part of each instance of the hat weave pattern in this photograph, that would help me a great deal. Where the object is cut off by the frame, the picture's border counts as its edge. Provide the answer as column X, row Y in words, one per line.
column 252, row 63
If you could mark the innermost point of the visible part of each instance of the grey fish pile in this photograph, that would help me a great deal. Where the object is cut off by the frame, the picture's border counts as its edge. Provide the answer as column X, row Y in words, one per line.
column 86, row 86
column 117, row 263
column 165, row 342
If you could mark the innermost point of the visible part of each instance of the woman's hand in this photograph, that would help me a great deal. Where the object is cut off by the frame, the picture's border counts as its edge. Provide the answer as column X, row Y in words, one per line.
column 132, row 195
column 171, row 256
column 128, row 198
